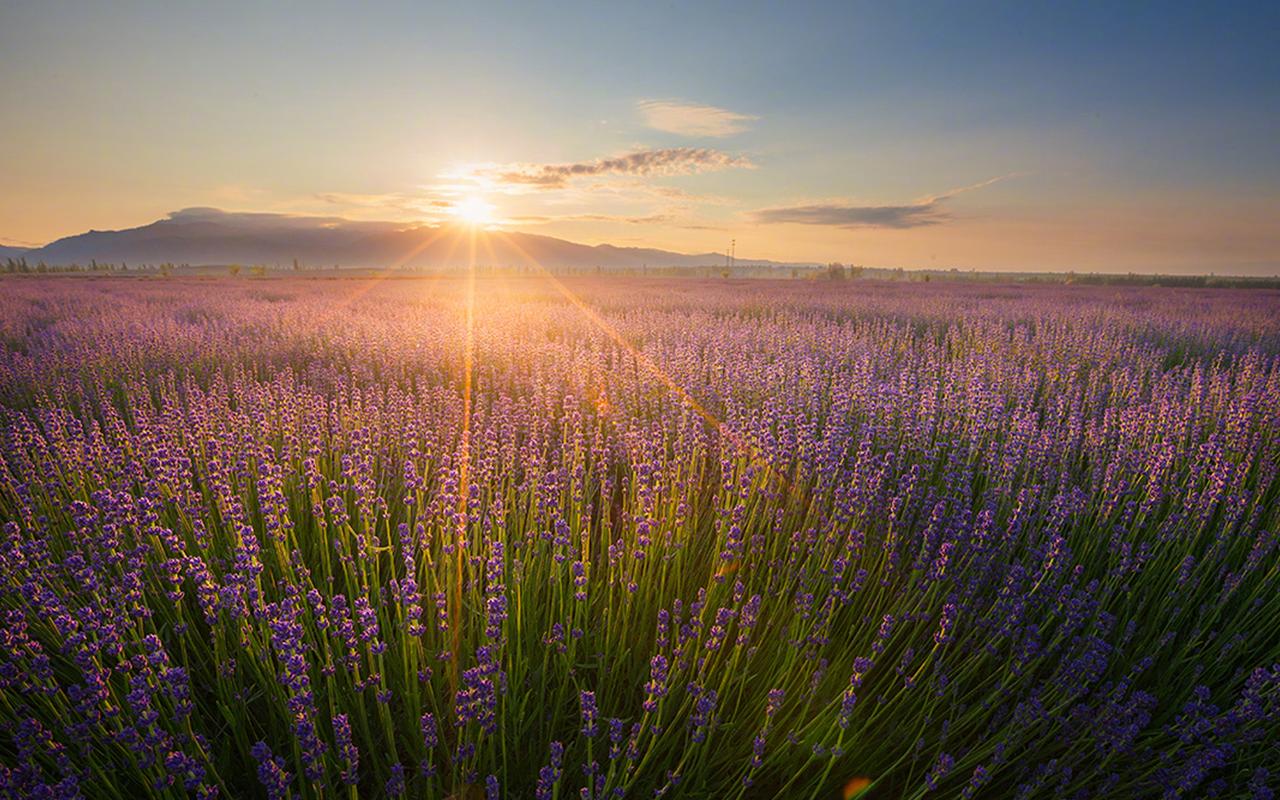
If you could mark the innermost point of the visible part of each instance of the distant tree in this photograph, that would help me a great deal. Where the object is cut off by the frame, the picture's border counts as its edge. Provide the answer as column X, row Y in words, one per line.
column 234, row 269
column 296, row 266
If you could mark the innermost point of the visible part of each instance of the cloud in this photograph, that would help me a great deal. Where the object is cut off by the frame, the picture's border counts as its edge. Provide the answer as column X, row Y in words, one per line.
column 666, row 161
column 8, row 241
column 640, row 219
column 692, row 119
column 926, row 211
column 842, row 216
column 937, row 198
column 417, row 202
column 666, row 219
column 270, row 221
column 543, row 219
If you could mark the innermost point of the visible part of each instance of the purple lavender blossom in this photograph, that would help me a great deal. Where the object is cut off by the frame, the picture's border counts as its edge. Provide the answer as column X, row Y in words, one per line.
column 587, row 706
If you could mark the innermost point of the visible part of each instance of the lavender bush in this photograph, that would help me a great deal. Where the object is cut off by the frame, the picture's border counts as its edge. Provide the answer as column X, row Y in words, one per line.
column 423, row 538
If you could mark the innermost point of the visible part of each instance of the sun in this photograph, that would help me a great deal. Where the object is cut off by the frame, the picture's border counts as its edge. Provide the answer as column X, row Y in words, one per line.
column 473, row 210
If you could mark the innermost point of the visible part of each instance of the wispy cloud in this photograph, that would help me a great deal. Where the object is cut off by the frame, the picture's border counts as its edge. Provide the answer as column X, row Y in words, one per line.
column 545, row 219
column 845, row 216
column 427, row 204
column 630, row 219
column 663, row 218
column 692, row 119
column 665, row 161
column 926, row 211
column 271, row 221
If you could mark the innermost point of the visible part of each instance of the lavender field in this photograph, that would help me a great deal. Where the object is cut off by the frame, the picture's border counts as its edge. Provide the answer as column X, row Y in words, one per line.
column 593, row 538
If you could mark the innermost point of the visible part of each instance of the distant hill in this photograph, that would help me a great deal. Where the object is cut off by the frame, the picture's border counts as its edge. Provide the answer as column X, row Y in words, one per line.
column 10, row 251
column 200, row 236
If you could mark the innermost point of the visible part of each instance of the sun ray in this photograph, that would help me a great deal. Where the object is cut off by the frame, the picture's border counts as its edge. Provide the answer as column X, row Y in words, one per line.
column 379, row 275
column 464, row 458
column 750, row 449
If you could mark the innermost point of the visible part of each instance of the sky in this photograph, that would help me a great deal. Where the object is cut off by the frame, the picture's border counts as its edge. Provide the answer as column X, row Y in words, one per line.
column 1110, row 137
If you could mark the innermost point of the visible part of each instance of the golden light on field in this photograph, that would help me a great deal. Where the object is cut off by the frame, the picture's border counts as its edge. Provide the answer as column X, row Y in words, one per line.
column 473, row 210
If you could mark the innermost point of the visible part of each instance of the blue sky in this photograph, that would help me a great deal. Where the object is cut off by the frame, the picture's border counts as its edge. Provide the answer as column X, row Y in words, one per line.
column 1095, row 136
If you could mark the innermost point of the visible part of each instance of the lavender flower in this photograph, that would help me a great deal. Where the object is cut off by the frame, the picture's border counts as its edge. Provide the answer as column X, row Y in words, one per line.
column 271, row 772
column 587, row 705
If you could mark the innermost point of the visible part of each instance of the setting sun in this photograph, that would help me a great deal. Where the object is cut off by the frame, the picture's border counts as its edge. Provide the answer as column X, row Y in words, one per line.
column 473, row 210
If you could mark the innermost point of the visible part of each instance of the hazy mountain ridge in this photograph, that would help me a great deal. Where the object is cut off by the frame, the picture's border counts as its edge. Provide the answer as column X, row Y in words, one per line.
column 201, row 236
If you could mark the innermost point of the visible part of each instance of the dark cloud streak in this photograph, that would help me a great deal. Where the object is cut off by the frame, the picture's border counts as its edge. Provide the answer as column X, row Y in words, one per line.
column 921, row 213
column 842, row 216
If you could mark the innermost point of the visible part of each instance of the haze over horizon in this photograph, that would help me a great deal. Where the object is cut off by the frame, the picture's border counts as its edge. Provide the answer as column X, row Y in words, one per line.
column 992, row 137
column 213, row 237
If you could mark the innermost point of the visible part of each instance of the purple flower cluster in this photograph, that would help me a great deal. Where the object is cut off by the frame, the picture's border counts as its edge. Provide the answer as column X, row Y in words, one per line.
column 590, row 716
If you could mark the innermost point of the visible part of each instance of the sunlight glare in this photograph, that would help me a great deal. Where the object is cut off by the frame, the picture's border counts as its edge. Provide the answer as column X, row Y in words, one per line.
column 473, row 210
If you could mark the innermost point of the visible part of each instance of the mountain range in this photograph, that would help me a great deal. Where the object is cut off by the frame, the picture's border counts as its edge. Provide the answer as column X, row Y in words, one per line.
column 208, row 236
